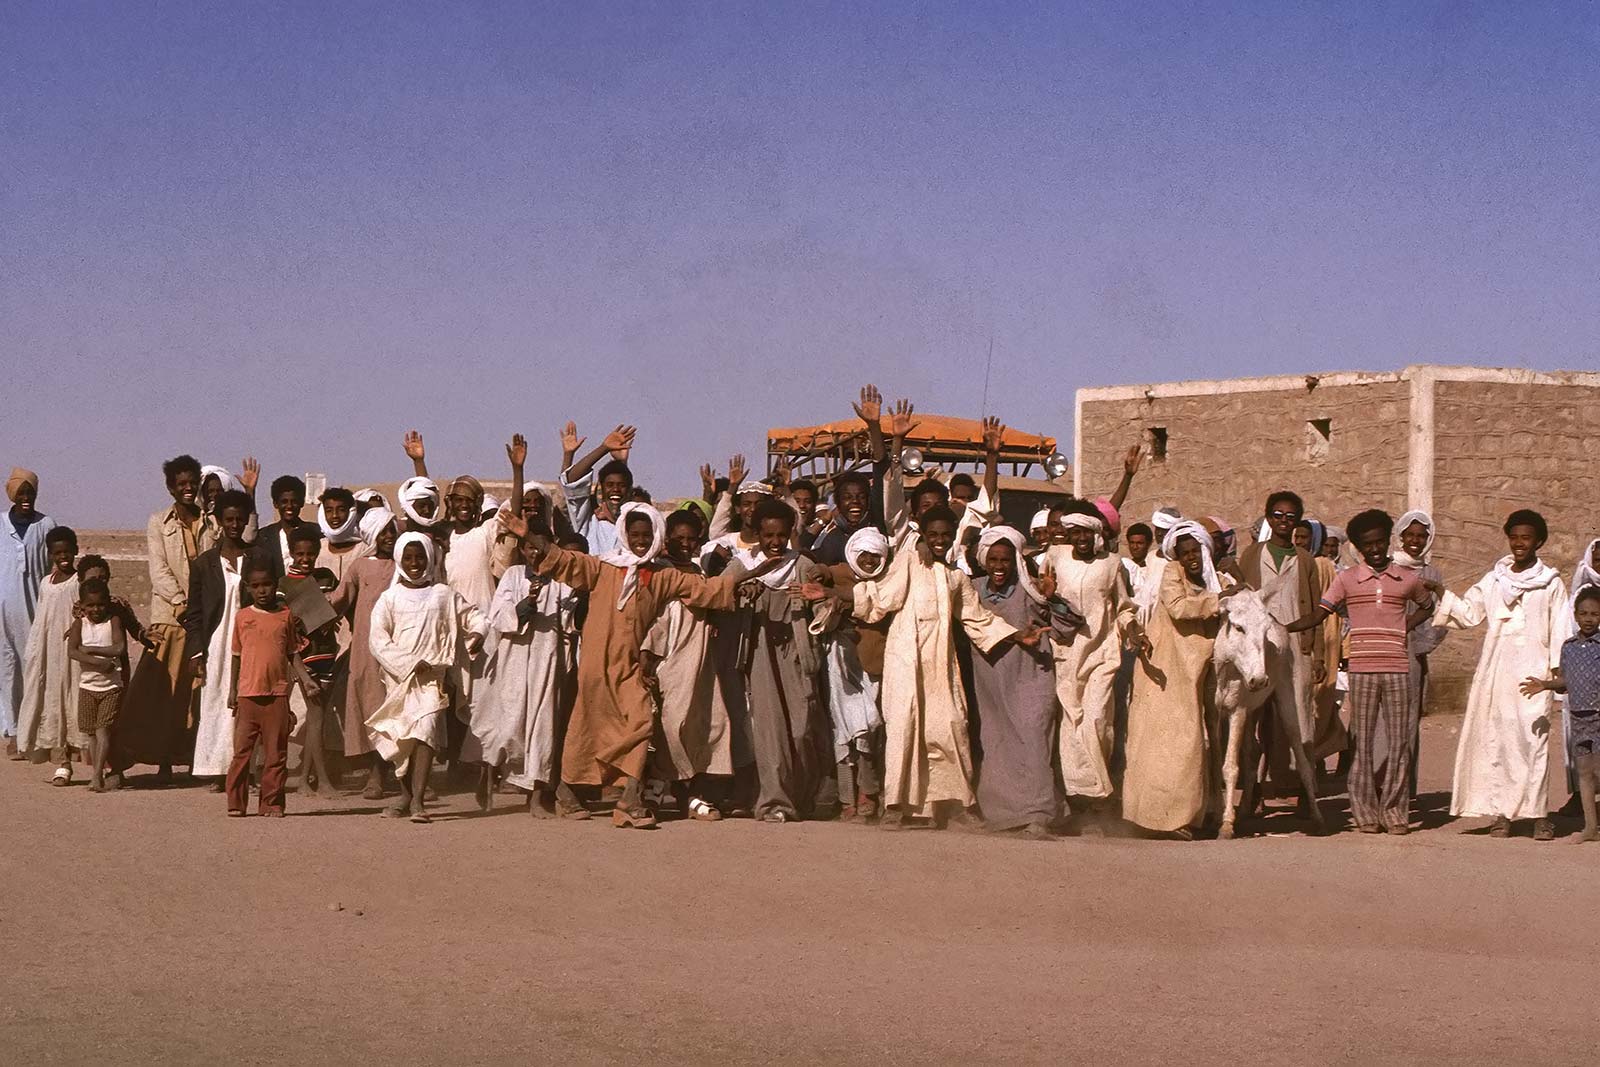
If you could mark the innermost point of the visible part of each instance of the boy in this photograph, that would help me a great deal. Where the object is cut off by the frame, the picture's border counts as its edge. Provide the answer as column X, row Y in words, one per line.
column 302, row 588
column 355, row 598
column 216, row 581
column 46, row 725
column 803, row 492
column 340, row 522
column 781, row 670
column 265, row 646
column 1376, row 596
column 609, row 733
column 23, row 564
column 516, row 720
column 288, row 500
column 927, row 753
column 704, row 732
column 419, row 627
column 1086, row 662
column 1503, row 758
column 1579, row 678
column 595, row 515
column 99, row 646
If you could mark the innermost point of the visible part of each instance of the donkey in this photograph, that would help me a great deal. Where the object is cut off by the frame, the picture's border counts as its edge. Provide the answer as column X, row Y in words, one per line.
column 1252, row 662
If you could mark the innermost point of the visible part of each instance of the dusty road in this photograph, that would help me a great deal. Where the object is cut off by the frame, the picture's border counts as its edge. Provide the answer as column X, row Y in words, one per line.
column 144, row 927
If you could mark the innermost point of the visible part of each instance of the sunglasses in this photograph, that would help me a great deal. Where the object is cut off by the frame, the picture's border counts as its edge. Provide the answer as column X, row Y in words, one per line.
column 1284, row 515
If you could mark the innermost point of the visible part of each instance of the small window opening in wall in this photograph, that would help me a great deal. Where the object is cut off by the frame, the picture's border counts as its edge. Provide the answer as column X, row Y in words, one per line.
column 1157, row 439
column 1319, row 435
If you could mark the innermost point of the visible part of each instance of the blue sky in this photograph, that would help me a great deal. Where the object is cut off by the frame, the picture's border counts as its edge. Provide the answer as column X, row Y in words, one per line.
column 296, row 230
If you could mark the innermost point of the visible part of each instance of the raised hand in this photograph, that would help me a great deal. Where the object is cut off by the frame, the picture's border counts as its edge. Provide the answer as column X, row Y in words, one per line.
column 708, row 481
column 1046, row 583
column 619, row 442
column 1131, row 461
column 517, row 450
column 250, row 475
column 870, row 407
column 514, row 523
column 900, row 421
column 993, row 434
column 570, row 441
column 736, row 472
column 780, row 472
column 413, row 446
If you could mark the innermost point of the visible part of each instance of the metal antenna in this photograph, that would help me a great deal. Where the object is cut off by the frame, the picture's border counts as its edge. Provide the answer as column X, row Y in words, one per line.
column 987, row 365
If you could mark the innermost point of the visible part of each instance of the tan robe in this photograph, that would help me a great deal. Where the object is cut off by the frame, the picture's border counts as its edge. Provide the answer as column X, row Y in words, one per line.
column 927, row 754
column 1164, row 787
column 1086, row 666
column 609, row 733
column 1331, row 735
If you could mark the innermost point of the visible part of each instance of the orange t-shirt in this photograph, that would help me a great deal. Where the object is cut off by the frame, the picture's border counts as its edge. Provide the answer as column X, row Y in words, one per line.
column 264, row 641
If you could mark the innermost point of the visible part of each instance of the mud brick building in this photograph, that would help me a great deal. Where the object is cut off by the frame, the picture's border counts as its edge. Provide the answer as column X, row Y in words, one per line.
column 1467, row 444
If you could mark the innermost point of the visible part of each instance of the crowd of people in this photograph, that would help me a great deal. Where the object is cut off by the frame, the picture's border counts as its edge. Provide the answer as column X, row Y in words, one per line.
column 880, row 649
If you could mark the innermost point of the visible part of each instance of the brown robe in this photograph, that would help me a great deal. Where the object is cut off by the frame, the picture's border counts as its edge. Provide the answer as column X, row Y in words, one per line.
column 366, row 688
column 608, row 736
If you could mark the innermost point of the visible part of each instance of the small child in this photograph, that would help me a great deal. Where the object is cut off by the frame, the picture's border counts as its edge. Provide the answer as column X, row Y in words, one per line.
column 98, row 643
column 418, row 624
column 94, row 566
column 1579, row 678
column 319, row 657
column 45, row 720
column 266, row 659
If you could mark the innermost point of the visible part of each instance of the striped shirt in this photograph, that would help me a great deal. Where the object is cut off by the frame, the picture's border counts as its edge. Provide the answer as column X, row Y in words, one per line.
column 1376, row 603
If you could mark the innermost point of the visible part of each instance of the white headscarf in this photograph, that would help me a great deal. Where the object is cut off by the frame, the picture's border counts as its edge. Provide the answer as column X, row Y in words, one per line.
column 1400, row 555
column 373, row 523
column 1585, row 575
column 491, row 503
column 370, row 496
column 750, row 486
column 1076, row 520
column 428, row 548
column 992, row 536
column 867, row 539
column 228, row 481
column 1040, row 521
column 419, row 488
column 622, row 555
column 1162, row 522
column 1186, row 528
column 348, row 534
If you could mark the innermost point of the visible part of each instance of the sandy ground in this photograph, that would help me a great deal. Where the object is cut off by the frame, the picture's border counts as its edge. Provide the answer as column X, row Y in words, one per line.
column 144, row 926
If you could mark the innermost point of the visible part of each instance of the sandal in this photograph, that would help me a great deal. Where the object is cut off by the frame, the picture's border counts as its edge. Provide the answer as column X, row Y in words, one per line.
column 421, row 817
column 624, row 819
column 700, row 810
column 777, row 817
column 63, row 776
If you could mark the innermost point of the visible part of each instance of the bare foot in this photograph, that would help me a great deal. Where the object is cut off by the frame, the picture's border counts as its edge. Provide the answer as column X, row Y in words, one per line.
column 542, row 804
column 215, row 786
column 398, row 810
column 374, row 789
column 1588, row 833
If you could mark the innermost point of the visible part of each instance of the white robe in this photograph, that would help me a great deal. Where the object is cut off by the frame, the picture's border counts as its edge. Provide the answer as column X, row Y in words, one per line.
column 695, row 719
column 514, row 716
column 469, row 570
column 1086, row 666
column 48, row 717
column 1501, row 763
column 412, row 626
column 213, row 739
column 927, row 754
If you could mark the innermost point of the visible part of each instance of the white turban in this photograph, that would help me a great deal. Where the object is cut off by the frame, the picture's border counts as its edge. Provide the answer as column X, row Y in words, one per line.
column 373, row 523
column 1183, row 529
column 623, row 556
column 428, row 548
column 370, row 496
column 1041, row 520
column 1078, row 520
column 868, row 539
column 348, row 534
column 227, row 480
column 1165, row 519
column 1401, row 556
column 992, row 536
column 758, row 488
column 415, row 489
column 491, row 503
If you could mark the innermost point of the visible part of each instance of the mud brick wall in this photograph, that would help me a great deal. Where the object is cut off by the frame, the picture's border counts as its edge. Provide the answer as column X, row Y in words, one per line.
column 1226, row 451
column 1499, row 447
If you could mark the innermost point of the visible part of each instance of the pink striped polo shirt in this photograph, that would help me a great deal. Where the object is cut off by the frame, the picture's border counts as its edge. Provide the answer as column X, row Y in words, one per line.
column 1377, row 604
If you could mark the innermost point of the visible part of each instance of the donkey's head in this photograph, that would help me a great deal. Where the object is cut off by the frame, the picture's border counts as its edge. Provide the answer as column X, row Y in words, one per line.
column 1243, row 637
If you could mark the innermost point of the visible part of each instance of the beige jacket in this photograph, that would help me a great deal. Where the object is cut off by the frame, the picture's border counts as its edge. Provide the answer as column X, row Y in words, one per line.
column 169, row 562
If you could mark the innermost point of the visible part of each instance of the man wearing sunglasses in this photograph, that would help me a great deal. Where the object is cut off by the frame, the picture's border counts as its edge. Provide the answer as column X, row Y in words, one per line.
column 1288, row 582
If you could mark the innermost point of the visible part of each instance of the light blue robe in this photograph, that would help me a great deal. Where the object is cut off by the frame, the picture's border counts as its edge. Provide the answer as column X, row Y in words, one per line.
column 24, row 562
column 600, row 533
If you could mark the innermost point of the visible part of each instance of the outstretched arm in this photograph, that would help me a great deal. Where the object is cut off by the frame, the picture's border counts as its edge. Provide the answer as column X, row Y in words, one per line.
column 618, row 444
column 993, row 434
column 869, row 409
